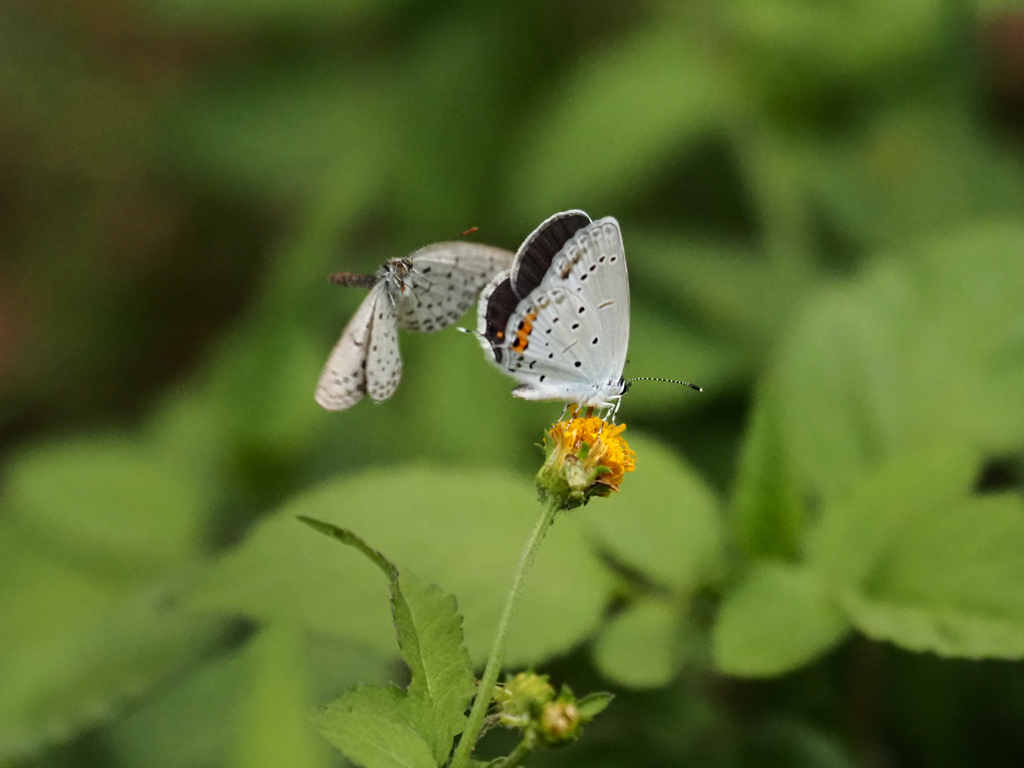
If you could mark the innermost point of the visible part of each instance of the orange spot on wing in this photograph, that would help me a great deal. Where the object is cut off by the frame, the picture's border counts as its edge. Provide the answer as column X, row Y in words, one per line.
column 523, row 334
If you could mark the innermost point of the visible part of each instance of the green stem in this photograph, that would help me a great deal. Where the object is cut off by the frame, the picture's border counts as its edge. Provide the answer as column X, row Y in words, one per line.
column 482, row 702
column 524, row 748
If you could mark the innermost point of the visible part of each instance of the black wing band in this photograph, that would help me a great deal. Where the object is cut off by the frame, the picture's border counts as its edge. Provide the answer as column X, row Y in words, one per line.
column 501, row 303
column 536, row 254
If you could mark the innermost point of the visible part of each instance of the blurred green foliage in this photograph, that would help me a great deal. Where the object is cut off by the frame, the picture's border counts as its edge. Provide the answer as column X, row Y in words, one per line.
column 818, row 562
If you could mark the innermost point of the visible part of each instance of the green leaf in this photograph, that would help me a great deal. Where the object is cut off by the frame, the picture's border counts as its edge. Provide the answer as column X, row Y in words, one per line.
column 640, row 648
column 430, row 635
column 872, row 369
column 273, row 729
column 460, row 528
column 206, row 704
column 665, row 522
column 73, row 649
column 371, row 727
column 616, row 118
column 346, row 536
column 768, row 515
column 853, row 533
column 952, row 582
column 593, row 704
column 113, row 505
column 839, row 393
column 779, row 618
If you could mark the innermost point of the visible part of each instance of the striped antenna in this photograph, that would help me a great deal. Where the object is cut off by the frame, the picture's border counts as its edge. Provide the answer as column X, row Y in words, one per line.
column 670, row 381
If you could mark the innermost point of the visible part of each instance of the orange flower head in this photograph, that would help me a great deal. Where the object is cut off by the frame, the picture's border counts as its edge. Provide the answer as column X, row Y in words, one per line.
column 589, row 457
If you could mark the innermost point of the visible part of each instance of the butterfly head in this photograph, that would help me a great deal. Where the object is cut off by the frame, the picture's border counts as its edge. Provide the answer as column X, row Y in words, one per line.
column 396, row 273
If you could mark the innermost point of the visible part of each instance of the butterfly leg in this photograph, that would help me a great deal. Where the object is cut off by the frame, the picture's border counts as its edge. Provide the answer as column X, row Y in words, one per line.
column 614, row 408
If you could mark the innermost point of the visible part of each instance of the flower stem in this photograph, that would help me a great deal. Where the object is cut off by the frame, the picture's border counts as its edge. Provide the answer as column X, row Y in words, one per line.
column 482, row 702
column 524, row 748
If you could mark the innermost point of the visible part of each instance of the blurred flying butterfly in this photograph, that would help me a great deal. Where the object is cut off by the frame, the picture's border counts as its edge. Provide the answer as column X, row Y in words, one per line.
column 426, row 291
column 558, row 320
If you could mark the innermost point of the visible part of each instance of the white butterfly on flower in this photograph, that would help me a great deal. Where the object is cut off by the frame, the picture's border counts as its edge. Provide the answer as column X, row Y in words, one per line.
column 557, row 321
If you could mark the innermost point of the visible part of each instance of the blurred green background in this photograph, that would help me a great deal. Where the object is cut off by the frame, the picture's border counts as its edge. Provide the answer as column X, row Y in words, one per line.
column 818, row 562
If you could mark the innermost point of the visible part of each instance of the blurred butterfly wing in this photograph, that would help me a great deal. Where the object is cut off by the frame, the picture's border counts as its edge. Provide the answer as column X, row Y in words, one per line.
column 445, row 281
column 383, row 361
column 343, row 381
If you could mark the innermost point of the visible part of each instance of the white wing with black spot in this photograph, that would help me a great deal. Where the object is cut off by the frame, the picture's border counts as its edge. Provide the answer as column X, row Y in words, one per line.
column 445, row 281
column 567, row 338
column 343, row 381
column 383, row 362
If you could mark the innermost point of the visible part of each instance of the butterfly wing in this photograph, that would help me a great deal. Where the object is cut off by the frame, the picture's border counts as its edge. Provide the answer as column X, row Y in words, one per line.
column 500, row 298
column 444, row 282
column 343, row 381
column 567, row 338
column 538, row 250
column 593, row 265
column 383, row 361
column 366, row 359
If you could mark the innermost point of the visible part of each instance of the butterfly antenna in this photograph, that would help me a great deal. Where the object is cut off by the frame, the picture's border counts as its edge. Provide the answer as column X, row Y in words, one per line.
column 670, row 381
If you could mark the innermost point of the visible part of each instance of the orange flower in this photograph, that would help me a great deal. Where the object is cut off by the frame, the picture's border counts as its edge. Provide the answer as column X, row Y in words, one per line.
column 589, row 457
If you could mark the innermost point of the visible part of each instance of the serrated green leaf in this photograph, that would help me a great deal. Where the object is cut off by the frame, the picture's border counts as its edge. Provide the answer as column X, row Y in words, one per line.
column 371, row 726
column 615, row 119
column 665, row 522
column 348, row 538
column 779, row 618
column 593, row 704
column 768, row 514
column 640, row 647
column 272, row 728
column 430, row 636
column 951, row 582
column 460, row 528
